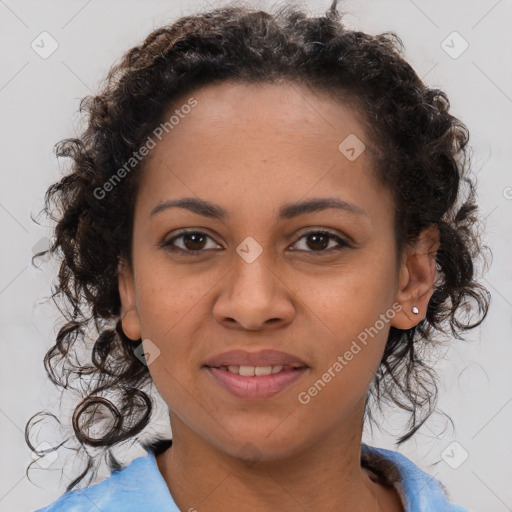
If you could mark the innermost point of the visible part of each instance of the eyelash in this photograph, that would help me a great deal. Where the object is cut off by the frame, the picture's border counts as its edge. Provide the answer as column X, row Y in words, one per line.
column 168, row 245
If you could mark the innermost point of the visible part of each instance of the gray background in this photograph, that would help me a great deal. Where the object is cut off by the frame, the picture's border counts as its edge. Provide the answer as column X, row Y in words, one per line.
column 38, row 107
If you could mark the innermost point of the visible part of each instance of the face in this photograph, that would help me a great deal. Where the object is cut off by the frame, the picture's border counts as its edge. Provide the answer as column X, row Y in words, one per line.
column 307, row 282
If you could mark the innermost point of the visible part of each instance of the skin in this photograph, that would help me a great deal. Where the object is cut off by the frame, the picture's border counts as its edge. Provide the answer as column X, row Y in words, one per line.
column 250, row 148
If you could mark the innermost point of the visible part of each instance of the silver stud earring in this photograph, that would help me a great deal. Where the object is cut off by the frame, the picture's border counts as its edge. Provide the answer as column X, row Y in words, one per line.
column 415, row 310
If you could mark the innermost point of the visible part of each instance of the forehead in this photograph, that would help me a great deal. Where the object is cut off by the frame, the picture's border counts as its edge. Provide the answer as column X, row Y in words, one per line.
column 275, row 141
column 263, row 109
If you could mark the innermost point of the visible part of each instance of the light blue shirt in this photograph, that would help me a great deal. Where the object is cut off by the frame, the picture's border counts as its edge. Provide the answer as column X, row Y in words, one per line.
column 140, row 487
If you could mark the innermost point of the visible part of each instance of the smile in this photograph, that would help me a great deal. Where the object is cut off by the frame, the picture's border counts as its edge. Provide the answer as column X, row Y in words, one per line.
column 256, row 383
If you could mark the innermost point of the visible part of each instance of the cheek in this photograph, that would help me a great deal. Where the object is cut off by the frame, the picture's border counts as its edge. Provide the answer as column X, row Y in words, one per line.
column 350, row 338
column 171, row 307
column 350, row 321
column 167, row 296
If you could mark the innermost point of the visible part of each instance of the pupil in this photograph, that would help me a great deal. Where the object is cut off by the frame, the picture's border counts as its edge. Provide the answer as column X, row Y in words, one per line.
column 316, row 237
column 195, row 241
column 193, row 237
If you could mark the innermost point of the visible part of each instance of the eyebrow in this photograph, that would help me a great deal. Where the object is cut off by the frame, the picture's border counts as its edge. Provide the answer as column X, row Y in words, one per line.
column 286, row 211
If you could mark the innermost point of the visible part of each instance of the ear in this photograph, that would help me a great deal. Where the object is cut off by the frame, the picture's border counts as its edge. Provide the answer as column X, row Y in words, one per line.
column 417, row 276
column 129, row 315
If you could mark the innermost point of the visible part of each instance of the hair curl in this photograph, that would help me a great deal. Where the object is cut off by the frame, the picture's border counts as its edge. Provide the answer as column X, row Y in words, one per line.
column 420, row 154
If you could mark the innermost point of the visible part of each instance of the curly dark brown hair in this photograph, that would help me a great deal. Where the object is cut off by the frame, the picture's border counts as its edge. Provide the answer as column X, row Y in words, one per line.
column 421, row 154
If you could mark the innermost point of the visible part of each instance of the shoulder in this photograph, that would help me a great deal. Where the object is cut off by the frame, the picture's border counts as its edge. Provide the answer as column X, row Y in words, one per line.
column 137, row 486
column 420, row 492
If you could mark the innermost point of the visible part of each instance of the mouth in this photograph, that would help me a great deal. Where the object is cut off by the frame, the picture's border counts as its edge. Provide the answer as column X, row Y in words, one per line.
column 261, row 360
column 258, row 371
column 256, row 383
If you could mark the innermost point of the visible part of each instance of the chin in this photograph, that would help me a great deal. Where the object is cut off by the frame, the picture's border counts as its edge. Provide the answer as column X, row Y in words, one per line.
column 260, row 449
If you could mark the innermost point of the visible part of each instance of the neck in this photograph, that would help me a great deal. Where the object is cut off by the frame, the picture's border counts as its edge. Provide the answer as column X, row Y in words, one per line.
column 324, row 476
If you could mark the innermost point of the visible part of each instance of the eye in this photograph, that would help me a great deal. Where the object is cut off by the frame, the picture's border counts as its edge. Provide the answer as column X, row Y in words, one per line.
column 192, row 242
column 319, row 241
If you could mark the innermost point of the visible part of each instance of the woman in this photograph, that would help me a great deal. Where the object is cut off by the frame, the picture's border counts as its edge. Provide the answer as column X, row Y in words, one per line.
column 276, row 214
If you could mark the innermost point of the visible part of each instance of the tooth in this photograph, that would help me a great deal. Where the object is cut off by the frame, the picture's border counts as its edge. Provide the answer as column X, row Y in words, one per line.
column 263, row 370
column 251, row 371
column 246, row 371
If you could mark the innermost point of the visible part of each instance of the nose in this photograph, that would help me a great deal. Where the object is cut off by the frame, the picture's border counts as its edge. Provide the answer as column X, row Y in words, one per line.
column 254, row 297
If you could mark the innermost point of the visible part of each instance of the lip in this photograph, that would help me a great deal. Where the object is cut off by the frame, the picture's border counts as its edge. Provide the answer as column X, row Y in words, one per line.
column 258, row 387
column 267, row 357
